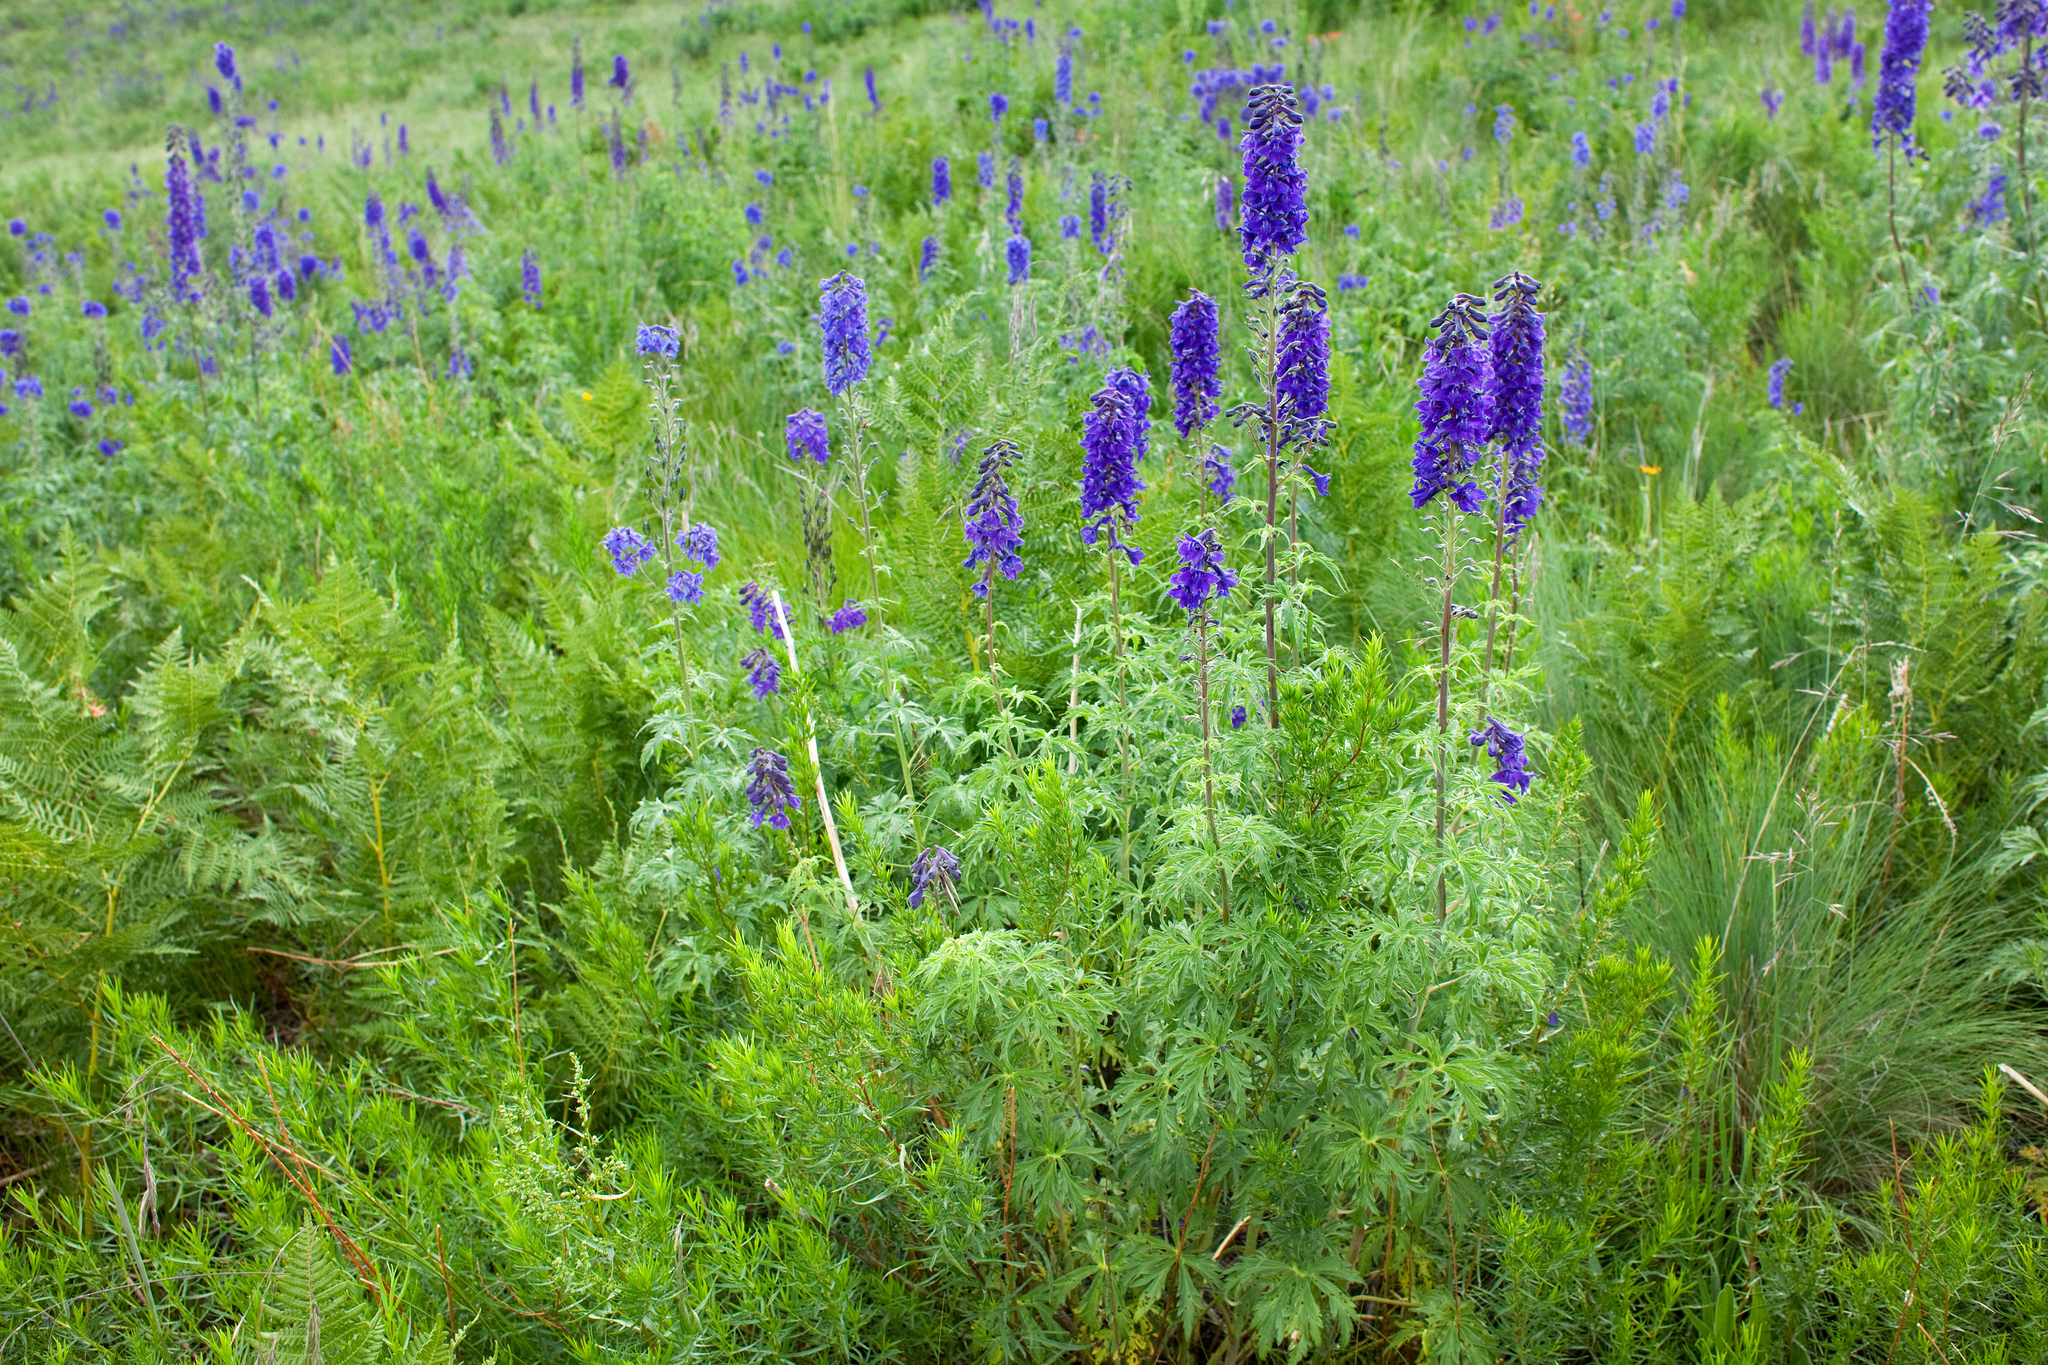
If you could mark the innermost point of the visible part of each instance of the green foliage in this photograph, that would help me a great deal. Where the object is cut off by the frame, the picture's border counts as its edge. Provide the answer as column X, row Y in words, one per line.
column 390, row 970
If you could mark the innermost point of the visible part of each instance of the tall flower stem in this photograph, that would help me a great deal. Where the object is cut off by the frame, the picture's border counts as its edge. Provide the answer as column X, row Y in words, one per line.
column 1891, row 210
column 817, row 768
column 1208, row 776
column 1074, row 701
column 1500, row 544
column 668, row 462
column 1443, row 690
column 1123, row 752
column 1272, row 323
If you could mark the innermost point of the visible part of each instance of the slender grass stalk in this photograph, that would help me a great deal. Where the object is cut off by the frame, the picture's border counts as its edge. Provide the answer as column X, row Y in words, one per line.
column 817, row 768
column 855, row 421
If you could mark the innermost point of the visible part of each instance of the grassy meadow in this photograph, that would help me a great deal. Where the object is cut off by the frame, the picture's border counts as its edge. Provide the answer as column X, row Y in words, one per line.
column 861, row 680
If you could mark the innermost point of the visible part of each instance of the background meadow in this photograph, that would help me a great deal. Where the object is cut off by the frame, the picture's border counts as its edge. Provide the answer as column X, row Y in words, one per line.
column 431, row 930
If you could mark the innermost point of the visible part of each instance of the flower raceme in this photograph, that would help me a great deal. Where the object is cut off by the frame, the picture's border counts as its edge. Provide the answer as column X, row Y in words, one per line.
column 844, row 320
column 760, row 609
column 1898, row 67
column 658, row 341
column 1201, row 575
column 769, row 791
column 993, row 526
column 1517, row 396
column 935, row 865
column 628, row 549
column 1455, row 405
column 805, row 435
column 1197, row 357
column 764, row 675
column 1273, row 219
column 1506, row 748
column 1109, row 480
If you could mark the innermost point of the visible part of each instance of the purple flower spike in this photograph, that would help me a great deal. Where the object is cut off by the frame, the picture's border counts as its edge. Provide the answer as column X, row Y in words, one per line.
column 1303, row 382
column 850, row 616
column 1017, row 255
column 1517, row 360
column 769, row 792
column 1455, row 405
column 628, row 549
column 761, row 609
column 1201, row 575
column 805, row 435
column 992, row 524
column 764, row 675
column 844, row 317
column 1275, row 212
column 1898, row 67
column 1109, row 480
column 685, row 588
column 1506, row 748
column 700, row 542
column 1197, row 355
column 934, row 865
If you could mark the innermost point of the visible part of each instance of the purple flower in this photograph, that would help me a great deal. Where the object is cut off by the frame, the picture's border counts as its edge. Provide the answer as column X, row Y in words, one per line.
column 1099, row 213
column 985, row 164
column 850, row 616
column 1237, row 717
column 753, row 214
column 1454, row 407
column 184, row 223
column 529, row 278
column 992, row 524
column 1109, row 480
column 844, row 317
column 1017, row 255
column 1222, row 479
column 760, row 605
column 1505, row 747
column 942, row 180
column 10, row 341
column 1991, row 208
column 1197, row 355
column 339, row 356
column 622, row 78
column 656, row 340
column 804, row 434
column 224, row 62
column 1773, row 99
column 628, row 549
column 28, row 386
column 1517, row 395
column 1070, row 227
column 768, row 789
column 80, row 408
column 927, row 257
column 1275, row 217
column 110, row 447
column 934, row 864
column 764, row 675
column 1779, row 368
column 1582, row 151
column 874, row 97
column 998, row 105
column 1013, row 208
column 1575, row 398
column 1201, row 575
column 1303, row 380
column 1224, row 205
column 1898, row 67
column 685, row 588
column 16, row 227
column 1646, row 138
column 259, row 295
column 93, row 308
column 699, row 542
